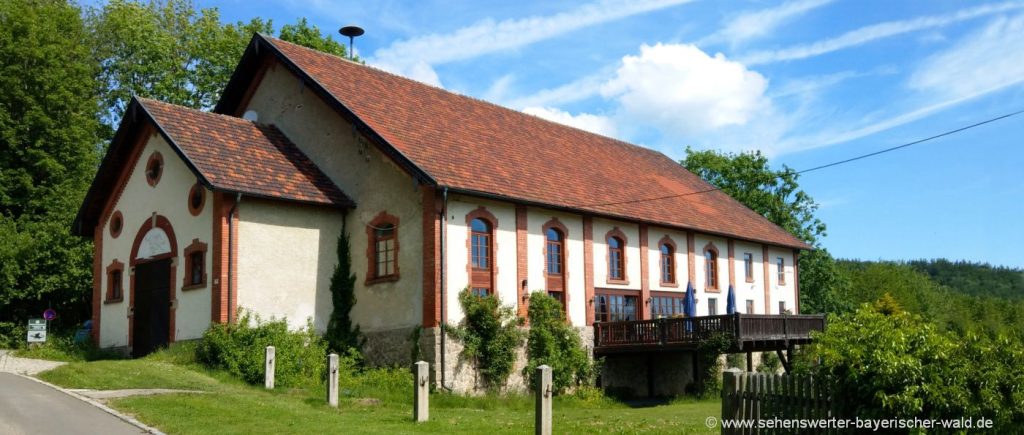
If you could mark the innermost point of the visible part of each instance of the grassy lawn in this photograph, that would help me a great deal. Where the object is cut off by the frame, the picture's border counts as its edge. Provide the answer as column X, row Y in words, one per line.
column 230, row 406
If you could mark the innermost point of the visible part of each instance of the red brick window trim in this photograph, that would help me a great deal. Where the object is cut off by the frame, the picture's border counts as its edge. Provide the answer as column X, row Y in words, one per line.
column 616, row 256
column 115, row 282
column 196, row 199
column 481, row 243
column 382, row 249
column 748, row 266
column 154, row 168
column 555, row 259
column 195, row 266
column 116, row 224
column 780, row 266
column 667, row 275
column 711, row 268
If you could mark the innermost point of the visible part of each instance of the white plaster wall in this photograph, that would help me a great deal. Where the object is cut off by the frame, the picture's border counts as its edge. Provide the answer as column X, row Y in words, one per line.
column 654, row 235
column 749, row 290
column 575, row 284
column 700, row 283
column 456, row 272
column 781, row 292
column 364, row 174
column 632, row 252
column 286, row 255
column 138, row 202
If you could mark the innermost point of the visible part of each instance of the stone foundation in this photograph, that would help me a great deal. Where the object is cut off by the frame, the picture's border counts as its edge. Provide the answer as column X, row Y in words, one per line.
column 389, row 348
column 661, row 374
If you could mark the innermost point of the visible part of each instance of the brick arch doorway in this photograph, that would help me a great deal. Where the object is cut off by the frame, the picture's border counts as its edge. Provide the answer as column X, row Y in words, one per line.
column 153, row 258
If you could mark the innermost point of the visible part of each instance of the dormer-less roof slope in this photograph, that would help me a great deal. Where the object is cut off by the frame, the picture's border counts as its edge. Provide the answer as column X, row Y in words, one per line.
column 227, row 154
column 473, row 146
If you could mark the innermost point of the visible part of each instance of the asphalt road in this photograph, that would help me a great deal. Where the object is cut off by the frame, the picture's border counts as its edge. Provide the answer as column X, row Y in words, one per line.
column 29, row 407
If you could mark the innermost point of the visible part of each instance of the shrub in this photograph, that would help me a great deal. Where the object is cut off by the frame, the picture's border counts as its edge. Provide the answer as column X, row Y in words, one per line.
column 770, row 363
column 341, row 334
column 11, row 335
column 709, row 381
column 490, row 336
column 737, row 360
column 556, row 343
column 896, row 365
column 239, row 349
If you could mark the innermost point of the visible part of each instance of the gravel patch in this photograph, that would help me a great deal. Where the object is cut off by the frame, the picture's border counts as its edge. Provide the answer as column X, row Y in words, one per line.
column 25, row 366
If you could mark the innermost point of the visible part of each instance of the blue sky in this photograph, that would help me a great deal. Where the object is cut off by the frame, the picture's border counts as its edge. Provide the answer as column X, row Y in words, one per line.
column 806, row 81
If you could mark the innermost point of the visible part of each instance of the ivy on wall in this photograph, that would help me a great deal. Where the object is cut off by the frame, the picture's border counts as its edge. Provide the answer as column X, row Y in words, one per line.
column 490, row 336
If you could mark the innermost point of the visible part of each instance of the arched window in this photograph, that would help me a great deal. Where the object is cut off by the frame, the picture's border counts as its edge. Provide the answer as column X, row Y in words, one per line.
column 481, row 255
column 382, row 249
column 615, row 258
column 668, row 264
column 711, row 268
column 554, row 264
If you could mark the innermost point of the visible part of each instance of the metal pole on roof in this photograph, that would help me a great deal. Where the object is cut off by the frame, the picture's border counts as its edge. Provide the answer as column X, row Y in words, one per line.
column 351, row 32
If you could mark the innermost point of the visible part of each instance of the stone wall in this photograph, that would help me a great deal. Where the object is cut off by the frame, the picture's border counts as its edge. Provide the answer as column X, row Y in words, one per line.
column 389, row 348
column 628, row 374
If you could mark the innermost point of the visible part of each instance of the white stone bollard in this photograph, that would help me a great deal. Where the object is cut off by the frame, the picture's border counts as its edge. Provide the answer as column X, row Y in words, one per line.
column 332, row 380
column 268, row 373
column 421, row 392
column 542, row 426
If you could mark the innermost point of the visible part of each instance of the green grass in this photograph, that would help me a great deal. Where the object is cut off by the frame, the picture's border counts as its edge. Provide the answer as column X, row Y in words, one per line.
column 230, row 406
column 63, row 348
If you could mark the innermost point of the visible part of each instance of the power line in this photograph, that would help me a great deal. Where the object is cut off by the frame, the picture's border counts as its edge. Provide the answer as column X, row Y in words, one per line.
column 828, row 165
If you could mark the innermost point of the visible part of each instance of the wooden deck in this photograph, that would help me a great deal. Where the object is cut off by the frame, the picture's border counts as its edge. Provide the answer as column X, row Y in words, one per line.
column 746, row 332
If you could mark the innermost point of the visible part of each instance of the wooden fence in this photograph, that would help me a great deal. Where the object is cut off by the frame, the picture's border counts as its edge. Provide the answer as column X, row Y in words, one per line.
column 750, row 397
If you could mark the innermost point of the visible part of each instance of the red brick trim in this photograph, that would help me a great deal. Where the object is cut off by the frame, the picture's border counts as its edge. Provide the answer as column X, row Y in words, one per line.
column 220, row 312
column 717, row 287
column 796, row 281
column 186, row 283
column 97, row 270
column 667, row 240
column 482, row 213
column 558, row 225
column 197, row 189
column 691, row 264
column 164, row 224
column 617, row 233
column 732, row 262
column 154, row 159
column 588, row 266
column 645, row 286
column 522, row 265
column 767, row 284
column 432, row 209
column 379, row 221
column 115, row 266
column 116, row 224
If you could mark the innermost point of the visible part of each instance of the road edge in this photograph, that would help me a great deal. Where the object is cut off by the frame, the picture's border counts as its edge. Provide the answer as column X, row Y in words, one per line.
column 127, row 419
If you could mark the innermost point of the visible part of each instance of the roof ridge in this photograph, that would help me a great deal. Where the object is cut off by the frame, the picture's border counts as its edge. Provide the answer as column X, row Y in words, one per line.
column 470, row 97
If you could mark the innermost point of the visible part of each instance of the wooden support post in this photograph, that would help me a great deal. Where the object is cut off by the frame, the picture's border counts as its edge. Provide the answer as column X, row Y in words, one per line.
column 332, row 380
column 268, row 369
column 542, row 425
column 421, row 392
column 750, row 361
column 730, row 397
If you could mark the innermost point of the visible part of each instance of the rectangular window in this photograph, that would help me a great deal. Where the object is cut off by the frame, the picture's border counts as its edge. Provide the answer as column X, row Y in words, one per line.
column 116, row 283
column 480, row 292
column 711, row 269
column 712, row 307
column 554, row 260
column 481, row 251
column 667, row 306
column 780, row 265
column 384, row 247
column 197, row 268
column 750, row 306
column 782, row 307
column 748, row 266
column 614, row 307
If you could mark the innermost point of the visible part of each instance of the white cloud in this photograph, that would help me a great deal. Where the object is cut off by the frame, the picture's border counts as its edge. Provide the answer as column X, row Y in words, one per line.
column 576, row 90
column 991, row 58
column 874, row 32
column 584, row 121
column 750, row 25
column 413, row 57
column 682, row 90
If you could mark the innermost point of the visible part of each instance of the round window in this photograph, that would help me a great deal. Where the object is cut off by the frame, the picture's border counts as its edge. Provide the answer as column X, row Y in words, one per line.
column 196, row 199
column 116, row 224
column 154, row 169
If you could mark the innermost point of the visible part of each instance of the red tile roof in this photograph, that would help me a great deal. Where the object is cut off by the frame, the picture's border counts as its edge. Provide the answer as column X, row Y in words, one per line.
column 238, row 155
column 471, row 145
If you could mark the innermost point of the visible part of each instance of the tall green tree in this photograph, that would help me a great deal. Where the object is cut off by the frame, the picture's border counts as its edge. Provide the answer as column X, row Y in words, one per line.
column 776, row 195
column 48, row 154
column 308, row 35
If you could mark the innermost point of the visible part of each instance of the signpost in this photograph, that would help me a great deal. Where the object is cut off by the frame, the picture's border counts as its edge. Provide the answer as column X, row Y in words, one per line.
column 36, row 330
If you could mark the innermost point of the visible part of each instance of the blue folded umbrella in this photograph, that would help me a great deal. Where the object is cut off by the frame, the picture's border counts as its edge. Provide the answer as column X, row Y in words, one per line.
column 730, row 303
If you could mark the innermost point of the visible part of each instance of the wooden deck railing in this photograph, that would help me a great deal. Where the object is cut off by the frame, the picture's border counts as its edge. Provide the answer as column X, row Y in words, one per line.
column 693, row 330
